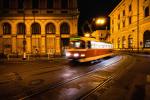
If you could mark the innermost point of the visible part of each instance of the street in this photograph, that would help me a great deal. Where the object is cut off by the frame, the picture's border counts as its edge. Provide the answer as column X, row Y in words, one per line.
column 113, row 78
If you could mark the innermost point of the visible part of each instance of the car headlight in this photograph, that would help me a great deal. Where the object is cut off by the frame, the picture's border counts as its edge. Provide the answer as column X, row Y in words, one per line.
column 76, row 54
column 82, row 55
column 68, row 54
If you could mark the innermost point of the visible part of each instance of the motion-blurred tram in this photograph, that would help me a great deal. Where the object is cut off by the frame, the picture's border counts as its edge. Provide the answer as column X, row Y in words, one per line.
column 83, row 49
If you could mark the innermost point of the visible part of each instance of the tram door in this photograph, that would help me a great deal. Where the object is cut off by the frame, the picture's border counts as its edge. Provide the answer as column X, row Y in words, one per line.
column 64, row 45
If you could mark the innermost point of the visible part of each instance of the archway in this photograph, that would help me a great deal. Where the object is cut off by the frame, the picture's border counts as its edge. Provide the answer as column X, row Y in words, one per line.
column 146, row 39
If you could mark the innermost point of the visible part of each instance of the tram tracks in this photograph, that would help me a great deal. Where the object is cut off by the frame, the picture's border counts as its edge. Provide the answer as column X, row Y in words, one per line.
column 61, row 83
column 107, row 83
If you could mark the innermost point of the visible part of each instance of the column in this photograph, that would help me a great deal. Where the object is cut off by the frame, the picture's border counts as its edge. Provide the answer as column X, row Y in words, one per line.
column 58, row 51
column 43, row 44
column 28, row 38
column 43, row 47
column 13, row 37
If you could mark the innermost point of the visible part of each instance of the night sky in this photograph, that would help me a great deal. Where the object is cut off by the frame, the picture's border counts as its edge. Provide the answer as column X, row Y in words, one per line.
column 95, row 8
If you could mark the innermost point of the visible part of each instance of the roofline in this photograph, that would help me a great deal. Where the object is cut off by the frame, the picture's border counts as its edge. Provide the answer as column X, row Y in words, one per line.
column 116, row 8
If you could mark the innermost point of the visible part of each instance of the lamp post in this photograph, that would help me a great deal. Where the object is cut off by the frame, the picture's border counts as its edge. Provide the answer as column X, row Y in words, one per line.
column 24, row 32
column 137, row 25
column 101, row 21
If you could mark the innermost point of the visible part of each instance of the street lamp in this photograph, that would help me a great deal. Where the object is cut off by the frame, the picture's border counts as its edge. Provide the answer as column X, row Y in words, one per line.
column 100, row 21
column 24, row 32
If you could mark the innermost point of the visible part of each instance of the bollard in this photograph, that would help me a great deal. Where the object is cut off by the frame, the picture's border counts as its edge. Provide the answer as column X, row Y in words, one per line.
column 48, row 56
column 8, row 56
column 28, row 57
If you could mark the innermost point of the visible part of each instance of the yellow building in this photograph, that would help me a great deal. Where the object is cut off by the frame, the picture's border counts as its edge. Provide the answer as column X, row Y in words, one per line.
column 130, row 25
column 43, row 25
column 102, row 35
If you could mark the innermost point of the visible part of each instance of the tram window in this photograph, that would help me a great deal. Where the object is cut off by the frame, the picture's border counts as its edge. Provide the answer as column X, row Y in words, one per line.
column 89, row 44
column 82, row 44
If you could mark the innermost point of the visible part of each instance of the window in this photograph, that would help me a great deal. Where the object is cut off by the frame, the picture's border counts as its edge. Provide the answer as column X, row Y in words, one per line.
column 130, row 20
column 146, row 12
column 36, row 28
column 123, row 22
column 123, row 42
column 146, row 39
column 123, row 12
column 21, row 28
column 130, row 42
column 50, row 28
column 119, row 17
column 64, row 28
column 112, row 29
column 64, row 4
column 118, row 43
column 35, row 4
column 6, row 29
column 130, row 7
column 50, row 4
column 20, row 4
column 112, row 21
column 118, row 26
column 6, row 4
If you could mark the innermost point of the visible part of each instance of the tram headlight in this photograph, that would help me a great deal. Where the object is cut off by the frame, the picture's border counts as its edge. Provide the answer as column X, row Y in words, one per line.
column 82, row 55
column 76, row 54
column 68, row 54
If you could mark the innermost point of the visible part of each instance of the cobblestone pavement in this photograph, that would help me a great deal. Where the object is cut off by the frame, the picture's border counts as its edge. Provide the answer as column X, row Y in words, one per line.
column 133, row 84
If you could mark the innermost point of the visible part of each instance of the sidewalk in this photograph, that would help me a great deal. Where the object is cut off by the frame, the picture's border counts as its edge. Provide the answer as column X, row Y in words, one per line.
column 31, row 59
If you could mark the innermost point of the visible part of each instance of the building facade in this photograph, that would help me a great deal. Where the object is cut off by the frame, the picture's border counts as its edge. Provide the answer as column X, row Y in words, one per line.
column 102, row 35
column 33, row 26
column 130, row 25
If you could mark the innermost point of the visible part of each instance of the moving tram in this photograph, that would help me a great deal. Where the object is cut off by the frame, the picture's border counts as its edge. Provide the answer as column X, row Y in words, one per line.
column 84, row 49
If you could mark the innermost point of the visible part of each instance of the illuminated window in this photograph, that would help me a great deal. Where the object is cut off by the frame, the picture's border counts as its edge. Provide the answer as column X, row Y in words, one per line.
column 64, row 4
column 146, row 12
column 35, row 4
column 130, row 42
column 50, row 4
column 20, row 4
column 146, row 39
column 21, row 28
column 64, row 28
column 6, row 28
column 123, row 42
column 36, row 28
column 50, row 28
column 118, row 43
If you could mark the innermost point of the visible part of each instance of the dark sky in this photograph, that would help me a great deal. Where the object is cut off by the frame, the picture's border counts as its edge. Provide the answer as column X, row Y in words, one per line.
column 95, row 8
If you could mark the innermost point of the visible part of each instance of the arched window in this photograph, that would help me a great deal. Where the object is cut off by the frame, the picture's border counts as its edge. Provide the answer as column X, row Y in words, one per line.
column 118, row 43
column 146, row 39
column 36, row 28
column 146, row 12
column 50, row 28
column 64, row 4
column 6, row 28
column 21, row 28
column 64, row 28
column 123, row 42
column 130, row 42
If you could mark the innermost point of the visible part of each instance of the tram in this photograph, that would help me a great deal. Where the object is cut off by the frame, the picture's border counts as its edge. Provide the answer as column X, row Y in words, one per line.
column 84, row 49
